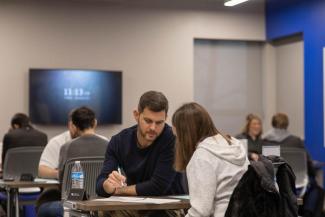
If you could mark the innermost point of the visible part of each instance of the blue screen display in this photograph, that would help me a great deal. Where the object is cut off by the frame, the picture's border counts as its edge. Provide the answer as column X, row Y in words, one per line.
column 53, row 93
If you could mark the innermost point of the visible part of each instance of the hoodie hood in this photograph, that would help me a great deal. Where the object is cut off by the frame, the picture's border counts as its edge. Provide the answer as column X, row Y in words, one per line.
column 233, row 153
column 276, row 135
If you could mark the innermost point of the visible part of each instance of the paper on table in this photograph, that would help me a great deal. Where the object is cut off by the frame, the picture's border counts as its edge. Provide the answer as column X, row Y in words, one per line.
column 183, row 197
column 122, row 199
column 49, row 181
column 138, row 200
column 160, row 201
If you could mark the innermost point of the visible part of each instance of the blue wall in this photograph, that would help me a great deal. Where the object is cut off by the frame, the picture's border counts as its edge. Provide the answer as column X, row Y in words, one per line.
column 288, row 17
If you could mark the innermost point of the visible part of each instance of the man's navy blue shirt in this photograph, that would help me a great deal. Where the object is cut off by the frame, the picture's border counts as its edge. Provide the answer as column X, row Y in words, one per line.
column 150, row 169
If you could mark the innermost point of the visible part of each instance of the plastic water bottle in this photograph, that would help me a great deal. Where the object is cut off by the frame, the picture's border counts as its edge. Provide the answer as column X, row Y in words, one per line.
column 77, row 176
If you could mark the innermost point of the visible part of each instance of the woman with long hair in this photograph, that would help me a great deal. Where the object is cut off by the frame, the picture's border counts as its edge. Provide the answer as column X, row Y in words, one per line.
column 214, row 163
column 252, row 132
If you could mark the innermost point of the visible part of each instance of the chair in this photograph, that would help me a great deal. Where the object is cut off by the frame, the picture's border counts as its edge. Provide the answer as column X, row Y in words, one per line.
column 20, row 161
column 23, row 160
column 297, row 159
column 91, row 166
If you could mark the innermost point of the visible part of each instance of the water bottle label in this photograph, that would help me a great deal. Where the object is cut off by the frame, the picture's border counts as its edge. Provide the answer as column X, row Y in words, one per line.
column 77, row 180
column 77, row 175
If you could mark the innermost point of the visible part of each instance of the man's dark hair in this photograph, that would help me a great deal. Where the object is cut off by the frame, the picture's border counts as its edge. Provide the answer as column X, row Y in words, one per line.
column 154, row 101
column 83, row 118
column 20, row 119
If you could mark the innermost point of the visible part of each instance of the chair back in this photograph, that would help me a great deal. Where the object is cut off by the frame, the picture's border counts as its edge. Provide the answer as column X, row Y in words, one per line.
column 91, row 166
column 297, row 159
column 22, row 160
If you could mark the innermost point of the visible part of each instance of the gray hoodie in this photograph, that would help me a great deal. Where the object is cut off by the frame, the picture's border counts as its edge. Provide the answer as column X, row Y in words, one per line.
column 213, row 172
column 276, row 135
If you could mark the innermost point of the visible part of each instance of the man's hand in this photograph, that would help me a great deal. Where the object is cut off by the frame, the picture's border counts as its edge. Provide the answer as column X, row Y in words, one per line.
column 113, row 182
column 253, row 156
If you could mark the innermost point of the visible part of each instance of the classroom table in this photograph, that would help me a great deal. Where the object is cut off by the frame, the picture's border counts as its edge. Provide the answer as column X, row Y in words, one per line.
column 89, row 207
column 12, row 188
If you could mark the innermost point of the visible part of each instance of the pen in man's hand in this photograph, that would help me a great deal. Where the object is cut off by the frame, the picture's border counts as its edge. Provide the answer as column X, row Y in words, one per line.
column 119, row 171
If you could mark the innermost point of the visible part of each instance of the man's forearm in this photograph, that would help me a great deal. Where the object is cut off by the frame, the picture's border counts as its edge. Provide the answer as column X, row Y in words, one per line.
column 126, row 191
column 47, row 172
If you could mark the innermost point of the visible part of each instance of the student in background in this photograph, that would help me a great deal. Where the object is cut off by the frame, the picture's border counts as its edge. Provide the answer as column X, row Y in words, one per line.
column 214, row 163
column 22, row 134
column 86, row 144
column 49, row 162
column 313, row 199
column 252, row 132
column 280, row 135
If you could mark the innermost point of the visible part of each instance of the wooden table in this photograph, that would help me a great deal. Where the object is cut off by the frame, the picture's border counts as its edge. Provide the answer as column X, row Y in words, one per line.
column 87, row 208
column 84, row 208
column 12, row 187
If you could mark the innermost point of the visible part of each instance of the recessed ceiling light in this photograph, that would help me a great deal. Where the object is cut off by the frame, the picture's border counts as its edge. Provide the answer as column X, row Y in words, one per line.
column 231, row 3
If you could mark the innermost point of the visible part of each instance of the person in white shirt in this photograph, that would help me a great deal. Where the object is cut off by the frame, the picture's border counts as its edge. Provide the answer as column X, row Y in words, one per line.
column 82, row 126
column 49, row 162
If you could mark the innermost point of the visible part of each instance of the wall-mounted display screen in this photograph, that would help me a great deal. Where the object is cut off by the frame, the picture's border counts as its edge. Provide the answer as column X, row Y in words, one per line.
column 53, row 93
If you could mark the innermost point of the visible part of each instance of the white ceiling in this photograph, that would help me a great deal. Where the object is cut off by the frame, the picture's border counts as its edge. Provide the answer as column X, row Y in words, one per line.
column 250, row 6
column 213, row 4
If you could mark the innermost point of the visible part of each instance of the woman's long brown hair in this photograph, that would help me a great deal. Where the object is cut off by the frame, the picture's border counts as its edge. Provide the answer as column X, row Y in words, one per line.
column 193, row 124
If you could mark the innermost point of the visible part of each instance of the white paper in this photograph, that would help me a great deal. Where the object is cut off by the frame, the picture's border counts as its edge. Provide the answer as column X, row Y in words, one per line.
column 138, row 200
column 29, row 190
column 271, row 150
column 160, row 201
column 49, row 181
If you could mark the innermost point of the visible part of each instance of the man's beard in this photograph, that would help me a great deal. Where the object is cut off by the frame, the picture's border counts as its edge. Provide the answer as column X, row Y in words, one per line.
column 144, row 135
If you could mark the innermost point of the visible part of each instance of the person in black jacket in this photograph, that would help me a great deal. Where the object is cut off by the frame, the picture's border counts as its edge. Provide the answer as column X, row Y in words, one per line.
column 21, row 134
